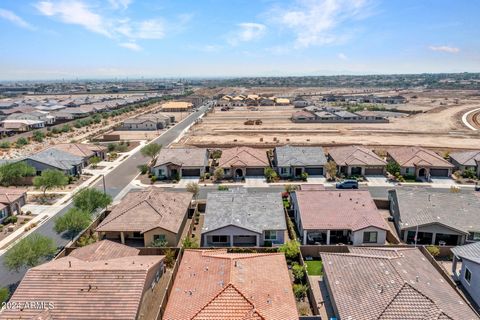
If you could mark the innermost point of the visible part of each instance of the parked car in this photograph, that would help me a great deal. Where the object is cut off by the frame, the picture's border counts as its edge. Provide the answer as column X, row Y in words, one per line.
column 347, row 184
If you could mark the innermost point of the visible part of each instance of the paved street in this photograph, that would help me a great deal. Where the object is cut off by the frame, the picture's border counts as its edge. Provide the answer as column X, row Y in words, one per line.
column 115, row 181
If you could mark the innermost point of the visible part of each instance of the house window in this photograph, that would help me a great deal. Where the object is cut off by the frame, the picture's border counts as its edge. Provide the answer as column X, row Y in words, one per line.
column 475, row 236
column 284, row 170
column 370, row 237
column 160, row 172
column 271, row 235
column 468, row 275
column 159, row 237
column 219, row 239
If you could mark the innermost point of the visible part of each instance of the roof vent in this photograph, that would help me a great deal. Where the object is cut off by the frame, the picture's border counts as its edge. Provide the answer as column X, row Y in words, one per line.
column 416, row 278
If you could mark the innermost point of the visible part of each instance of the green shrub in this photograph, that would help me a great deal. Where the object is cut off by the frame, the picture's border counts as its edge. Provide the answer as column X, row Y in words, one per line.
column 169, row 258
column 433, row 250
column 298, row 272
column 222, row 188
column 304, row 176
column 291, row 249
column 10, row 219
column 300, row 291
column 5, row 145
column 143, row 168
column 469, row 173
column 393, row 167
column 270, row 174
column 153, row 179
column 21, row 142
column 38, row 136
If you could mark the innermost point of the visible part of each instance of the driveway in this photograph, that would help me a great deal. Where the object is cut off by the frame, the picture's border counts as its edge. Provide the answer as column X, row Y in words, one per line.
column 378, row 181
column 185, row 181
column 442, row 182
column 255, row 182
column 316, row 180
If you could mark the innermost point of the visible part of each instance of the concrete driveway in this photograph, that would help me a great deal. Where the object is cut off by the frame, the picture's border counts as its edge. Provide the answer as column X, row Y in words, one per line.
column 438, row 182
column 254, row 182
column 380, row 181
column 316, row 179
column 185, row 181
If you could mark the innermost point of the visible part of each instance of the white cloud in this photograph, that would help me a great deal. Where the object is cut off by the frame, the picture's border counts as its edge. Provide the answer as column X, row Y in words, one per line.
column 151, row 29
column 131, row 45
column 342, row 56
column 444, row 49
column 74, row 12
column 247, row 31
column 12, row 17
column 120, row 4
column 320, row 22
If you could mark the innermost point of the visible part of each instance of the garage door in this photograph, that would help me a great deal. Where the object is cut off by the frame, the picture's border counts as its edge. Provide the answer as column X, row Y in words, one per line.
column 314, row 171
column 190, row 172
column 255, row 172
column 373, row 171
column 439, row 172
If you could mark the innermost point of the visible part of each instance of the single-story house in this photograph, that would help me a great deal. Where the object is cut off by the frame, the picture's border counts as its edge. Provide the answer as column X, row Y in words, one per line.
column 215, row 284
column 420, row 162
column 390, row 283
column 238, row 218
column 52, row 158
column 469, row 275
column 11, row 201
column 239, row 162
column 340, row 216
column 143, row 217
column 356, row 160
column 303, row 116
column 291, row 161
column 146, row 122
column 19, row 125
column 300, row 103
column 177, row 106
column 435, row 217
column 83, row 150
column 178, row 163
column 102, row 281
column 468, row 160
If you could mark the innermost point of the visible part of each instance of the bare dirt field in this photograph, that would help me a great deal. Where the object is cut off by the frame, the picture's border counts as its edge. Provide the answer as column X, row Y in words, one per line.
column 438, row 125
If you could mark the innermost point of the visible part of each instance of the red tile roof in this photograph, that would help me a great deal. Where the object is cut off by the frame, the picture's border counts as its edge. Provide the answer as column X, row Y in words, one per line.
column 355, row 156
column 10, row 195
column 219, row 285
column 80, row 149
column 416, row 156
column 243, row 157
column 338, row 210
column 103, row 250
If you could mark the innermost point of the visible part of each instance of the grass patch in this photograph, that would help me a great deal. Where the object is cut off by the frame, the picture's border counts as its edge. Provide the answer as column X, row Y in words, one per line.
column 314, row 267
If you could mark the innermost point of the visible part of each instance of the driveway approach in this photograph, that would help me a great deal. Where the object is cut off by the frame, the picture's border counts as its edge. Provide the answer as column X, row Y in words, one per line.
column 115, row 182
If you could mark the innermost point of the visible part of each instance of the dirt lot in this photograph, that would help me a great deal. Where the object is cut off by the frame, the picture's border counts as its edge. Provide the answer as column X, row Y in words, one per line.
column 439, row 125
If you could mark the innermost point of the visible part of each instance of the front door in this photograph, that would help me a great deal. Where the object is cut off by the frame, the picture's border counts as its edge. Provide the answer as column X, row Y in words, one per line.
column 298, row 172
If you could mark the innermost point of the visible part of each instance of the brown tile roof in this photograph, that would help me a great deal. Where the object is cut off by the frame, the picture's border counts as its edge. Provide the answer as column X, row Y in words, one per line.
column 187, row 157
column 106, row 289
column 10, row 195
column 390, row 284
column 79, row 149
column 355, row 156
column 337, row 210
column 468, row 158
column 416, row 156
column 243, row 157
column 103, row 250
column 141, row 211
column 219, row 285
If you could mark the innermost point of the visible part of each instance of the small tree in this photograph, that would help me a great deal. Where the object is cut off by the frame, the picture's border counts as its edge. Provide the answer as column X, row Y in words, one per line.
column 10, row 173
column 393, row 168
column 21, row 142
column 216, row 154
column 270, row 174
column 469, row 173
column 298, row 272
column 189, row 243
column 91, row 199
column 291, row 249
column 169, row 258
column 331, row 168
column 4, row 294
column 151, row 150
column 38, row 136
column 72, row 222
column 434, row 250
column 143, row 168
column 94, row 161
column 218, row 174
column 29, row 252
column 50, row 179
column 300, row 291
column 193, row 188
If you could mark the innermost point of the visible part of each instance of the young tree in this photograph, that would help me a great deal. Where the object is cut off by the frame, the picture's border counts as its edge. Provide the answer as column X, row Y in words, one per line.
column 291, row 249
column 94, row 161
column 50, row 179
column 393, row 167
column 218, row 174
column 10, row 173
column 188, row 243
column 21, row 142
column 74, row 221
column 331, row 168
column 38, row 136
column 193, row 188
column 29, row 252
column 151, row 150
column 270, row 174
column 91, row 199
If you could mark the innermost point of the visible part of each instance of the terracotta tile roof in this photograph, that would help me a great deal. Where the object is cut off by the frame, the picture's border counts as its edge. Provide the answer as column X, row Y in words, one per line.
column 467, row 158
column 106, row 289
column 10, row 195
column 141, row 211
column 416, row 156
column 243, row 157
column 187, row 157
column 214, row 284
column 79, row 149
column 355, row 156
column 337, row 210
column 375, row 284
column 103, row 250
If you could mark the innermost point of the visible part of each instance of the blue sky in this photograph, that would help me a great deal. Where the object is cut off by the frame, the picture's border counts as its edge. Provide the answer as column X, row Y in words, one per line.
column 54, row 39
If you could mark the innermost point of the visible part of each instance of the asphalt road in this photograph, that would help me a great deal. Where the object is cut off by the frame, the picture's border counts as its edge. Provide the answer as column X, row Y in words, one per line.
column 115, row 182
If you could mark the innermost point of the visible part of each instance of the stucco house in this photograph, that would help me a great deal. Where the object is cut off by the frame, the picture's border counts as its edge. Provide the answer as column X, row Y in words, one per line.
column 469, row 275
column 292, row 161
column 468, row 160
column 84, row 150
column 239, row 162
column 240, row 218
column 143, row 217
column 11, row 201
column 435, row 217
column 356, row 160
column 55, row 159
column 178, row 163
column 331, row 217
column 420, row 162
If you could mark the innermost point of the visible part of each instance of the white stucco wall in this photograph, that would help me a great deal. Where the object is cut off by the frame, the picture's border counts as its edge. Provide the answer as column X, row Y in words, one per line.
column 474, row 286
column 357, row 236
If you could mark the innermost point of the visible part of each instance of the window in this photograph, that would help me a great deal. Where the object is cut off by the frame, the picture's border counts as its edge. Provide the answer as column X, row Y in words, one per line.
column 219, row 239
column 270, row 235
column 137, row 235
column 370, row 237
column 475, row 236
column 468, row 275
column 284, row 170
column 159, row 237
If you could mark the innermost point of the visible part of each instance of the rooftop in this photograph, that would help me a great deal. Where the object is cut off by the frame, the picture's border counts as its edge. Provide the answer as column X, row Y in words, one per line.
column 287, row 156
column 79, row 149
column 243, row 157
column 56, row 158
column 355, row 156
column 103, row 250
column 469, row 251
column 187, row 157
column 9, row 195
column 467, row 158
column 416, row 156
